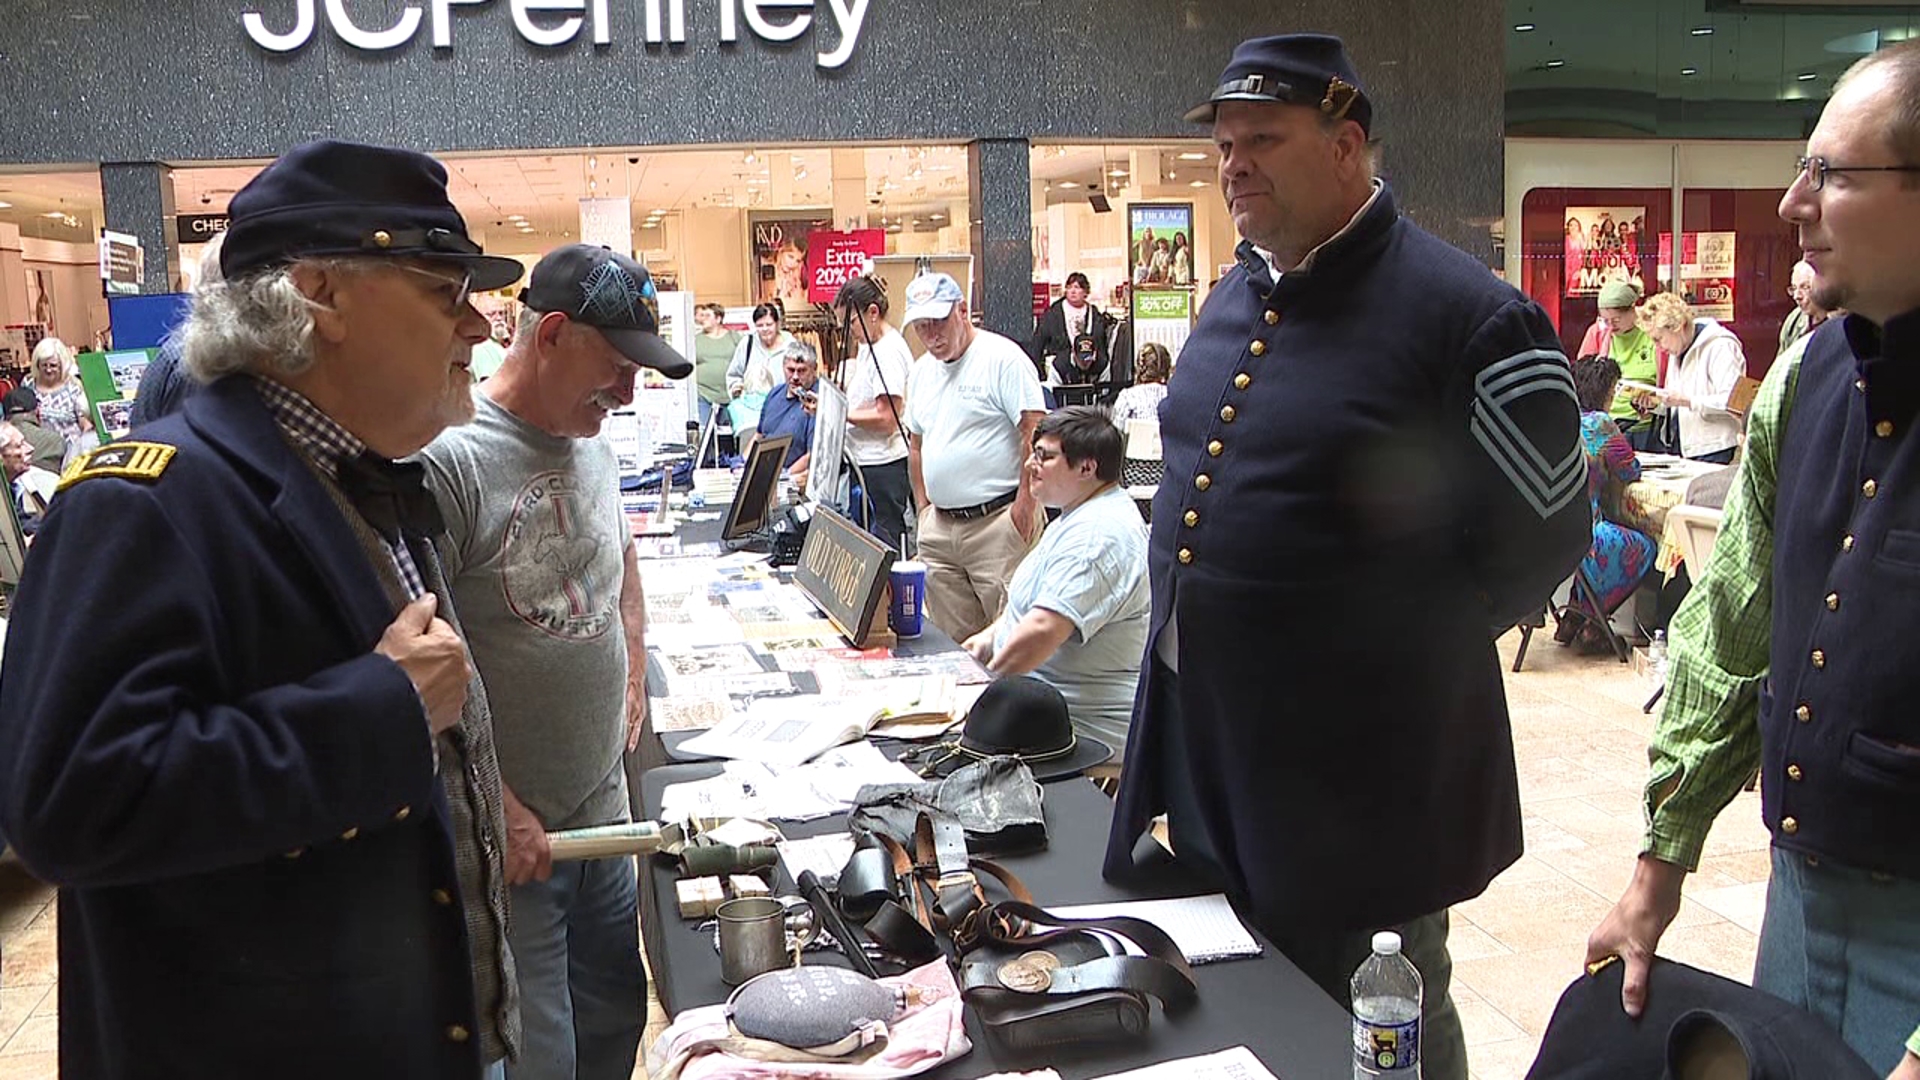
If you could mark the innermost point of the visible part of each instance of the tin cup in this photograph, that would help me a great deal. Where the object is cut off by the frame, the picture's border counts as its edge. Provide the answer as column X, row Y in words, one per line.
column 908, row 608
column 759, row 934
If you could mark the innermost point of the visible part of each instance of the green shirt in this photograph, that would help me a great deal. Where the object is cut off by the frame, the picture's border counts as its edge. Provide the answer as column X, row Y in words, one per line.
column 711, row 355
column 1634, row 352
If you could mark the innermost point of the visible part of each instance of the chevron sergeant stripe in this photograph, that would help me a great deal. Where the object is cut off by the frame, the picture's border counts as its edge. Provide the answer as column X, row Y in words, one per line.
column 1547, row 486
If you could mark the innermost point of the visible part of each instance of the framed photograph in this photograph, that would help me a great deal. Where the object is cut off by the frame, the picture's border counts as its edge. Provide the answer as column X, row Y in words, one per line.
column 759, row 484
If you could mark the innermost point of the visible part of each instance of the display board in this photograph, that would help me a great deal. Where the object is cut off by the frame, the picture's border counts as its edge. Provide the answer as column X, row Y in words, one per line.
column 759, row 482
column 844, row 569
column 111, row 380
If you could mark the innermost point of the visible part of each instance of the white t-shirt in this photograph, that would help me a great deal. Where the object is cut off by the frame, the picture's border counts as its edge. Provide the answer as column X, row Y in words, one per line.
column 887, row 362
column 1090, row 568
column 967, row 414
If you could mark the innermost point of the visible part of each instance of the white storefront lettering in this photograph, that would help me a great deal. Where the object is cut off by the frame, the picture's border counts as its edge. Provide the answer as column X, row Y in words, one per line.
column 553, row 23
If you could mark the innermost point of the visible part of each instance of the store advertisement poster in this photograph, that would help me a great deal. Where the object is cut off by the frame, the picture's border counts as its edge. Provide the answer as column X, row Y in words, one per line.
column 122, row 263
column 1603, row 244
column 16, row 352
column 1160, row 244
column 1705, row 272
column 778, row 256
column 1163, row 316
column 835, row 258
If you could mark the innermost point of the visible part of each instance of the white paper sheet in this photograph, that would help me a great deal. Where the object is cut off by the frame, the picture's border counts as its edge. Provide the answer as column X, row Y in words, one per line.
column 1204, row 927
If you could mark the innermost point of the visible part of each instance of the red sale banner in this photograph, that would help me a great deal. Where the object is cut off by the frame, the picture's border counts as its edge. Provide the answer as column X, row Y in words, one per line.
column 833, row 258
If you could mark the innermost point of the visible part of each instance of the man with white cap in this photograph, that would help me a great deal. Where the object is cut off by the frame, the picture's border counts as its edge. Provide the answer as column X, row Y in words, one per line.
column 972, row 404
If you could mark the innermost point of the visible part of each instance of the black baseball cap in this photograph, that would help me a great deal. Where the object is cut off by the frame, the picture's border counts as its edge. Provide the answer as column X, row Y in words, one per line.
column 341, row 198
column 613, row 294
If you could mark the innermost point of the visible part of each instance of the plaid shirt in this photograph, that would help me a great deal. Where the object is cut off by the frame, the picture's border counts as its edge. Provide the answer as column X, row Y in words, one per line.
column 1708, row 740
column 322, row 439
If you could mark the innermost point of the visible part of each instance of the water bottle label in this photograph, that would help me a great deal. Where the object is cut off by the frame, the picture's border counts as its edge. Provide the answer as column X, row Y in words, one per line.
column 1387, row 1048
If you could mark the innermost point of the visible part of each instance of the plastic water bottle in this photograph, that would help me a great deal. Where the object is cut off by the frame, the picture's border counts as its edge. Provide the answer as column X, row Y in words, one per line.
column 1657, row 658
column 1386, row 1013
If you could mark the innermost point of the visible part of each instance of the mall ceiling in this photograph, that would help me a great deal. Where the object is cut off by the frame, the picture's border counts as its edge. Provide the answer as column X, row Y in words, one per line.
column 1686, row 69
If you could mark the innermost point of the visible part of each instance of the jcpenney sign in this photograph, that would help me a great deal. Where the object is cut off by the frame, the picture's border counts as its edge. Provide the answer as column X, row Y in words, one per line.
column 559, row 22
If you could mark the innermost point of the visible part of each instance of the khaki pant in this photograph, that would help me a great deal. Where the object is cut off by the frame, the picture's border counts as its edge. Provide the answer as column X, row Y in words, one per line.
column 969, row 563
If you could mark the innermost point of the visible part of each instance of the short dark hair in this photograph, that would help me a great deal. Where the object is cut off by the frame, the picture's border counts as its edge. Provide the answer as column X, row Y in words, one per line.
column 1594, row 378
column 1080, row 279
column 768, row 311
column 1154, row 364
column 719, row 310
column 862, row 292
column 1086, row 432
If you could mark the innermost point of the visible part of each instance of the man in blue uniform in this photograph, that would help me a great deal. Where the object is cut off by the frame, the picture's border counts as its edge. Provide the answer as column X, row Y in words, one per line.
column 239, row 727
column 1789, row 653
column 1372, row 467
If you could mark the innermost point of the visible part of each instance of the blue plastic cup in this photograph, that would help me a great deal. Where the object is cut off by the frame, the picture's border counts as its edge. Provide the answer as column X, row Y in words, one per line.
column 908, row 608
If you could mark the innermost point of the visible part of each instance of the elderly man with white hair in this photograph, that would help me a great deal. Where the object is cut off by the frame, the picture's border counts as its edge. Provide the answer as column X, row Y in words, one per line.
column 240, row 728
column 1806, row 313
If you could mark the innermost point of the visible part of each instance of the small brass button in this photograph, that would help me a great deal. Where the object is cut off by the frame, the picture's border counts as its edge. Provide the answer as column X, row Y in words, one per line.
column 1819, row 659
column 1883, row 429
column 350, row 834
column 1227, row 414
column 442, row 897
column 1793, row 772
column 1789, row 826
column 403, row 813
column 1846, row 542
column 1869, row 489
column 382, row 238
column 1833, row 601
column 1860, row 385
column 1273, row 318
column 1803, row 714
column 1242, row 381
column 1191, row 517
column 1186, row 556
column 1203, row 481
column 1813, row 860
column 1214, row 448
column 458, row 1034
column 1258, row 348
column 295, row 853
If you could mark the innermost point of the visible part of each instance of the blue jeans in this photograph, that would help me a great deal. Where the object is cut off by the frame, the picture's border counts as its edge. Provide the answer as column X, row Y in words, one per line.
column 583, row 991
column 1844, row 945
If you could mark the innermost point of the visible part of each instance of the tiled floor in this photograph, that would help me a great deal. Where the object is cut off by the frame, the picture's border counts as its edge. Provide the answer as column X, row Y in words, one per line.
column 1580, row 739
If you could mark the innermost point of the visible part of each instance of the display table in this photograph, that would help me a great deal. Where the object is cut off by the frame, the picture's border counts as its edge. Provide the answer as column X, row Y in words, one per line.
column 1264, row 1003
column 1643, row 504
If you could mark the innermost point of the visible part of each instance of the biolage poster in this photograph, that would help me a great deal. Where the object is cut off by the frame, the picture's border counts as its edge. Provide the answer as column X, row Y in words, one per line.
column 778, row 243
column 1603, row 243
column 1160, row 245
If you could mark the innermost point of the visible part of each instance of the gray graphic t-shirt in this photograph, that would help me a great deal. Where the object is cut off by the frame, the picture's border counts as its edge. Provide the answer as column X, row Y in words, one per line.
column 535, row 554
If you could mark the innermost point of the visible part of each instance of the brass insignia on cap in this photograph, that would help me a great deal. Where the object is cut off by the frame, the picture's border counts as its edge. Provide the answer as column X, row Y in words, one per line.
column 383, row 238
column 1339, row 98
column 127, row 460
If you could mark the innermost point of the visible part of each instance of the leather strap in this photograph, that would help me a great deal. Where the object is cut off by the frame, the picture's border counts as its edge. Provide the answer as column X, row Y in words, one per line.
column 980, row 977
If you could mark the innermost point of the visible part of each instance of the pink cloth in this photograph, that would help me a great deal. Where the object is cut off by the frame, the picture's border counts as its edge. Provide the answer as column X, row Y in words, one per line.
column 1597, row 341
column 699, row 1044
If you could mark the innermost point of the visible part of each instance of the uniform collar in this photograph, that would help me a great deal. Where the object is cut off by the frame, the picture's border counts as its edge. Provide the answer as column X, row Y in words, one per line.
column 1367, row 223
column 1899, row 339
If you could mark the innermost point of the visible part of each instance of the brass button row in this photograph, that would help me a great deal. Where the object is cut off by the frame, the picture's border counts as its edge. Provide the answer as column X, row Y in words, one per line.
column 1203, row 481
column 1869, row 489
column 1258, row 348
column 1789, row 826
column 1846, row 542
column 1242, row 381
column 1227, row 414
column 1884, row 429
column 1186, row 556
column 1803, row 713
column 1214, row 448
column 1819, row 660
column 1273, row 318
column 1860, row 385
column 1191, row 517
column 1833, row 601
column 1793, row 772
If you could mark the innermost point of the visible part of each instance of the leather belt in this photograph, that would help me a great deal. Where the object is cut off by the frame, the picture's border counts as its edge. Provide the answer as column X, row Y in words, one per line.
column 969, row 513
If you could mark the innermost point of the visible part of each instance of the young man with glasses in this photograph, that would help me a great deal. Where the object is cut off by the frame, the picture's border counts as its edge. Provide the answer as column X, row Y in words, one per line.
column 1796, row 650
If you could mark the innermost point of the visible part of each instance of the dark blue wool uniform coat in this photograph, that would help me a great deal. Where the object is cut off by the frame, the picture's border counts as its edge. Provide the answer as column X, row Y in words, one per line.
column 1370, row 469
column 236, row 796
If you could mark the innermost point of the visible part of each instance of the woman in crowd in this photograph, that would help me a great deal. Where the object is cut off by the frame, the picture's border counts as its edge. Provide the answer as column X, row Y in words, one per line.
column 1141, row 401
column 1706, row 364
column 756, row 366
column 713, row 349
column 63, row 404
column 1182, row 260
column 1619, row 556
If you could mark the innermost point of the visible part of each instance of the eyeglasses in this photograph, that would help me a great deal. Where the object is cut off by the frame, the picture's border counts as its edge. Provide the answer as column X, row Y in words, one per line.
column 1815, row 170
column 1043, row 455
column 454, row 292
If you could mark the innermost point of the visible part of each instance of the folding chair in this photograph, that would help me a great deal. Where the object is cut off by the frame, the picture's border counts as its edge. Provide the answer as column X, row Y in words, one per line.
column 1583, row 606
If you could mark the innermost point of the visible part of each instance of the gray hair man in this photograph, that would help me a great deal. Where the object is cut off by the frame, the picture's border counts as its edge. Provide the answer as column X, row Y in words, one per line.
column 1806, row 313
column 543, row 570
column 266, row 785
column 1796, row 652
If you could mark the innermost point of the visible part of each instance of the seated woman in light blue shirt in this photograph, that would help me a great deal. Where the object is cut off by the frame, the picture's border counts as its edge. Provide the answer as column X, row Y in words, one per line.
column 1077, row 607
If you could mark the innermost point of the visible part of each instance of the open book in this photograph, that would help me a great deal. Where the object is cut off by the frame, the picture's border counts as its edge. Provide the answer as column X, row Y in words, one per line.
column 793, row 730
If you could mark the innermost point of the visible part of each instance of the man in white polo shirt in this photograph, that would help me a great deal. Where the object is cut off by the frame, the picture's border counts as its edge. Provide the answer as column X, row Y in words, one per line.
column 972, row 405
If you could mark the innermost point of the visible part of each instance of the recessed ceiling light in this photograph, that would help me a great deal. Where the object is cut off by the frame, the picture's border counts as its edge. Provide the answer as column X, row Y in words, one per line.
column 1116, row 172
column 1523, row 28
column 55, row 214
column 1173, row 176
column 938, row 217
column 1069, row 183
column 1198, row 183
column 749, row 159
column 1701, row 31
column 1807, row 76
column 6, row 206
column 1193, row 155
column 1689, row 71
column 1556, row 63
column 593, row 162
